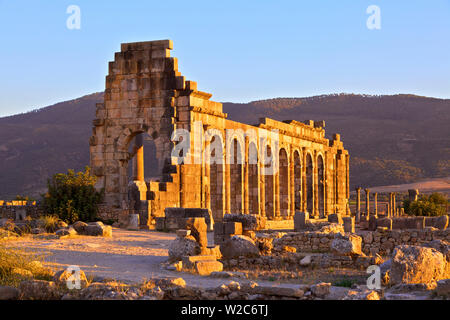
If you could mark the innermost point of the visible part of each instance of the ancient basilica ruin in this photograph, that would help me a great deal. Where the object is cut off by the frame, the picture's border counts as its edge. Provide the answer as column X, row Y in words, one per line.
column 202, row 159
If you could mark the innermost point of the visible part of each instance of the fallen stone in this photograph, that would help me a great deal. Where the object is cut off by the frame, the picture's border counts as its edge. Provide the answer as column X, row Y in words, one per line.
column 278, row 291
column 206, row 267
column 347, row 245
column 39, row 290
column 415, row 264
column 9, row 293
column 198, row 229
column 321, row 289
column 181, row 247
column 63, row 277
column 98, row 229
column 443, row 287
column 332, row 228
column 183, row 233
column 238, row 246
column 306, row 261
column 189, row 261
column 80, row 227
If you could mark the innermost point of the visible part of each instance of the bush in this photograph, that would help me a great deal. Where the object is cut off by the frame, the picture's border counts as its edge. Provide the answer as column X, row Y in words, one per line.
column 49, row 223
column 72, row 196
column 432, row 205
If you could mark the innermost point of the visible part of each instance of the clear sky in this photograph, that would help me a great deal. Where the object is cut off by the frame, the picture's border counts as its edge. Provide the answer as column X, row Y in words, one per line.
column 238, row 50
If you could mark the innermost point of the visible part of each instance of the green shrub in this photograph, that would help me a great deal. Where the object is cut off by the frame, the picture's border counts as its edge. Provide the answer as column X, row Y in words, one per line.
column 432, row 205
column 72, row 196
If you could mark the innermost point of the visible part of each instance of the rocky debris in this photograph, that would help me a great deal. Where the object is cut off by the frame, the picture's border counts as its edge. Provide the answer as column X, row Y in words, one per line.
column 39, row 290
column 385, row 269
column 346, row 245
column 66, row 232
column 9, row 293
column 443, row 287
column 37, row 230
column 332, row 228
column 62, row 277
column 306, row 261
column 198, row 229
column 265, row 245
column 98, row 229
column 321, row 289
column 249, row 221
column 238, row 246
column 80, row 227
column 180, row 247
column 441, row 246
column 415, row 264
column 279, row 291
column 206, row 267
column 362, row 295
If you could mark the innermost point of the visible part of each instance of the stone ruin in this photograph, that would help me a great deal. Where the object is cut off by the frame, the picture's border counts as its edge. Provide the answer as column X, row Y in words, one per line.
column 271, row 169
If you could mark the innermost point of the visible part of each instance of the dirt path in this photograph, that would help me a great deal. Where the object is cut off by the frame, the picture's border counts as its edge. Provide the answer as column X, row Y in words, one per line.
column 130, row 256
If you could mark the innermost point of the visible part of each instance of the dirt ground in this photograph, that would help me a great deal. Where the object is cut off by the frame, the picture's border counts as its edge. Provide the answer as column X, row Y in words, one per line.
column 129, row 256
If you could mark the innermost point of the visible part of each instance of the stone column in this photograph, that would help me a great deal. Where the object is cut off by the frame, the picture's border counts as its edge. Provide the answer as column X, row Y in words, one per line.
column 375, row 203
column 394, row 204
column 303, row 189
column 276, row 190
column 262, row 190
column 139, row 158
column 291, row 187
column 367, row 201
column 390, row 211
column 227, row 188
column 358, row 204
column 245, row 189
column 413, row 194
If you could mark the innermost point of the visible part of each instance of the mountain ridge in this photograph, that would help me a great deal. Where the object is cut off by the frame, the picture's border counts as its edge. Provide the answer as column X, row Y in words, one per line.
column 391, row 139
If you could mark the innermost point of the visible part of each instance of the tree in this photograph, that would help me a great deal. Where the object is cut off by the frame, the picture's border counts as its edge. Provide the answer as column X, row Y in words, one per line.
column 72, row 196
column 433, row 205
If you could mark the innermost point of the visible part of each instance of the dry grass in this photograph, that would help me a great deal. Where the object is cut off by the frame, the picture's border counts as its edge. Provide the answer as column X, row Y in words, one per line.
column 17, row 265
column 49, row 223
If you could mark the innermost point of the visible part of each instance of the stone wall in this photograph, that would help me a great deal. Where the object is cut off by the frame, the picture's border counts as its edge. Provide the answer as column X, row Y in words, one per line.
column 19, row 211
column 225, row 168
column 380, row 242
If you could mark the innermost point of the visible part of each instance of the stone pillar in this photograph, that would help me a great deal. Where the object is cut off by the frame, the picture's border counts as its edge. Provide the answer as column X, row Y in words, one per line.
column 227, row 188
column 139, row 158
column 316, row 186
column 394, row 204
column 246, row 186
column 262, row 190
column 375, row 203
column 303, row 189
column 413, row 194
column 276, row 190
column 358, row 204
column 391, row 210
column 367, row 201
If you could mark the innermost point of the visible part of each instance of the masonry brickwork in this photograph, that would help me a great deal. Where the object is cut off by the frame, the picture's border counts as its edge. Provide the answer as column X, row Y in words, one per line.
column 146, row 94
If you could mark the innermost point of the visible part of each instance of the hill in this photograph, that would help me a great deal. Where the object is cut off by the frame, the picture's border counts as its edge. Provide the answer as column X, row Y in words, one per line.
column 391, row 139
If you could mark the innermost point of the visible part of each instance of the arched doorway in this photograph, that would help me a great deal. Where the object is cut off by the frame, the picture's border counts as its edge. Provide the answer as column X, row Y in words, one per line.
column 284, row 183
column 253, row 190
column 216, row 172
column 309, row 185
column 236, row 177
column 297, row 181
column 268, row 183
column 321, row 185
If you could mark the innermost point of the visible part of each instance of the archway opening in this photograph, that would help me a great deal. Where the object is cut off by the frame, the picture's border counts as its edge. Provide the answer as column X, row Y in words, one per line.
column 309, row 185
column 284, row 183
column 253, row 190
column 297, row 181
column 236, row 177
column 321, row 185
column 216, row 178
column 268, row 183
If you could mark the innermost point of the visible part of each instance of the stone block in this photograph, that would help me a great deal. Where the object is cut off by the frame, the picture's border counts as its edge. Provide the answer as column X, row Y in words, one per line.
column 385, row 222
column 335, row 218
column 300, row 220
column 415, row 223
column 198, row 229
column 349, row 224
column 205, row 268
column 232, row 228
column 372, row 223
column 183, row 233
column 219, row 228
column 190, row 261
column 174, row 212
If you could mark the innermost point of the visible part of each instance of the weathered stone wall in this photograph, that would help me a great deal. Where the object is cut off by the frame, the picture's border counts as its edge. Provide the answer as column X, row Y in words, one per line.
column 223, row 169
column 12, row 211
column 374, row 242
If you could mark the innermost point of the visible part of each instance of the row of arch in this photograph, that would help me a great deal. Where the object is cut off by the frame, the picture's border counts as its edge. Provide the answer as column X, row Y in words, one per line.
column 253, row 187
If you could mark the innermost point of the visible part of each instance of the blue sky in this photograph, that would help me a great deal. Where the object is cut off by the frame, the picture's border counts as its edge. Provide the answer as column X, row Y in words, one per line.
column 237, row 50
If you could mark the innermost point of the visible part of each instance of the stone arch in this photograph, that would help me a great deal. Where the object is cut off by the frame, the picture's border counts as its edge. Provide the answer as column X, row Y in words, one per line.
column 283, row 182
column 297, row 180
column 253, row 177
column 309, row 184
column 321, row 185
column 268, row 184
column 216, row 175
column 236, row 177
